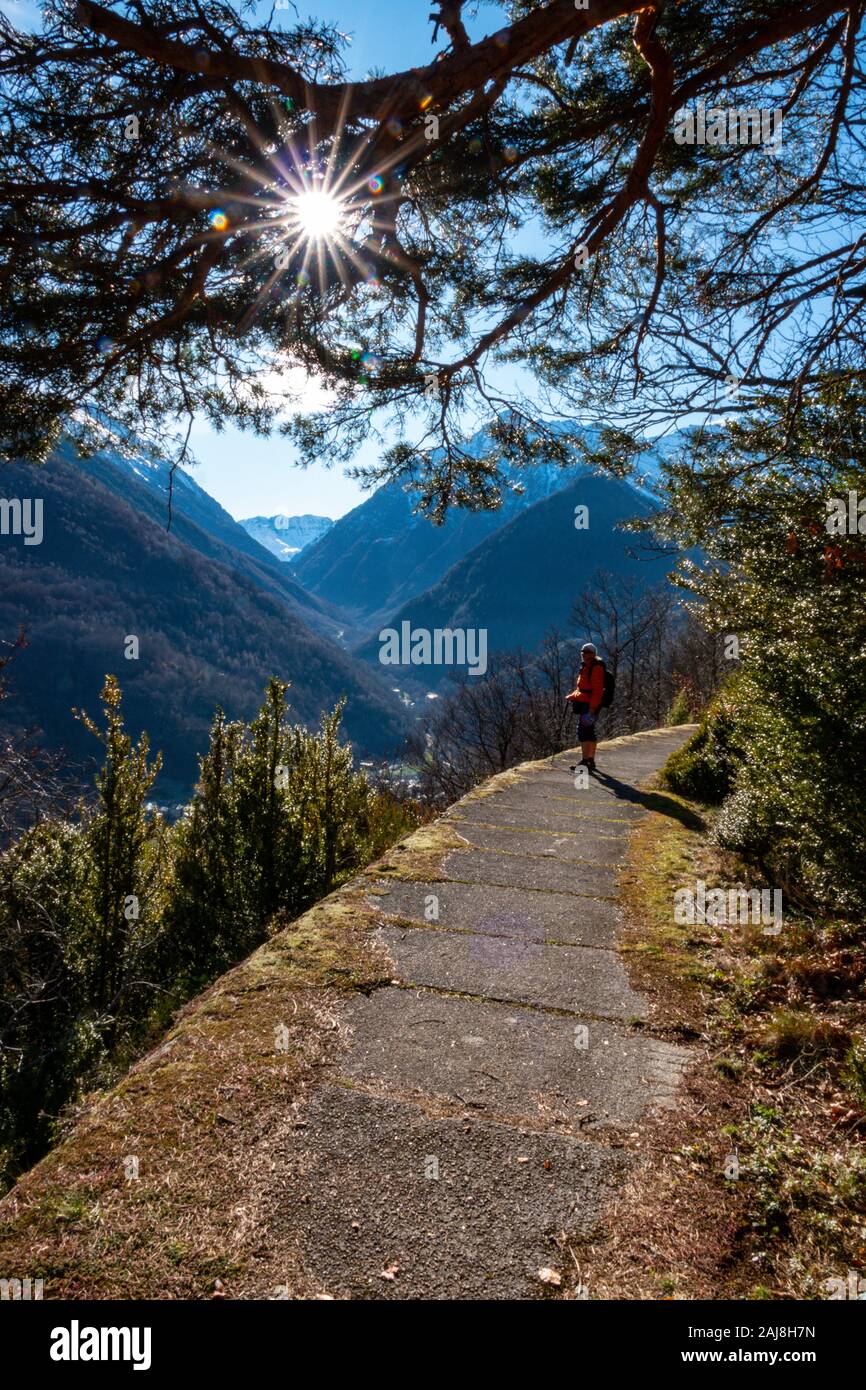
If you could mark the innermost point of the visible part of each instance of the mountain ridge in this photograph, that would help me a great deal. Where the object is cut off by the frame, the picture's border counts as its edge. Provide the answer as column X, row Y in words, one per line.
column 518, row 583
column 380, row 554
column 199, row 520
column 210, row 631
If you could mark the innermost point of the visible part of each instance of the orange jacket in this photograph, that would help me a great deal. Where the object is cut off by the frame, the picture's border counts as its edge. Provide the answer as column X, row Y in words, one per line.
column 590, row 685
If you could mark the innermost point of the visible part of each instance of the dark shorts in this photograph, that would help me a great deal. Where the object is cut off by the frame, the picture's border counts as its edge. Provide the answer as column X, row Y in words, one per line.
column 585, row 722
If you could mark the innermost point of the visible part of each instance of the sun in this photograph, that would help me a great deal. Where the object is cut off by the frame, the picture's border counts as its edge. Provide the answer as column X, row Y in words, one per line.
column 318, row 213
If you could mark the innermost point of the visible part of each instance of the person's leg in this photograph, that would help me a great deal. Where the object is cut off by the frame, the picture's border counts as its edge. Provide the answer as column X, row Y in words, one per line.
column 589, row 745
column 586, row 734
column 582, row 731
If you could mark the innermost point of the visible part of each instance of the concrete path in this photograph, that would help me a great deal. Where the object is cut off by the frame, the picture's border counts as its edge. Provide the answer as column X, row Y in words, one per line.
column 478, row 1113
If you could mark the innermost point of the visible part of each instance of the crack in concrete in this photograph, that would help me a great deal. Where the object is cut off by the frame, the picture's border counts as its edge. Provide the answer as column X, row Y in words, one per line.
column 409, row 924
column 549, row 1009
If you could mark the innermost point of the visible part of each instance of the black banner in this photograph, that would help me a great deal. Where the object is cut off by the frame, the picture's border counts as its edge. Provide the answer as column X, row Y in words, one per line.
column 226, row 1338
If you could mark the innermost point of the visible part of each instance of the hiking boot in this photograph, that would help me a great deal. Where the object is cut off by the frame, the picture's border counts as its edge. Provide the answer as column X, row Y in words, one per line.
column 590, row 763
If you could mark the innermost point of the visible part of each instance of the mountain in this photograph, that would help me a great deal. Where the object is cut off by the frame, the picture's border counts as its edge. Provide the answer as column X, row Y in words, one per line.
column 376, row 558
column 379, row 555
column 524, row 578
column 199, row 521
column 212, row 622
column 286, row 536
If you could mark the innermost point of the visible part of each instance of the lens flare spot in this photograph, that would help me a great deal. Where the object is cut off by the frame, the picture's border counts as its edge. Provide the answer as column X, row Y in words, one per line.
column 376, row 184
column 218, row 220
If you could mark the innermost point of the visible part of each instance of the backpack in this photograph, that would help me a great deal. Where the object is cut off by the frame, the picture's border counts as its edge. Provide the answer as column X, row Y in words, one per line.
column 609, row 686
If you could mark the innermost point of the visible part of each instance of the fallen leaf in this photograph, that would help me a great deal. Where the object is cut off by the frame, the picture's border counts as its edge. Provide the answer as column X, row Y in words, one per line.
column 550, row 1276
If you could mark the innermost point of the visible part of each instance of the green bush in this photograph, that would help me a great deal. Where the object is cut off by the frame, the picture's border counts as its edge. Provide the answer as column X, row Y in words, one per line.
column 797, row 809
column 78, row 909
column 754, row 509
column 49, row 1033
column 108, row 925
column 705, row 767
column 279, row 818
column 782, row 776
column 681, row 711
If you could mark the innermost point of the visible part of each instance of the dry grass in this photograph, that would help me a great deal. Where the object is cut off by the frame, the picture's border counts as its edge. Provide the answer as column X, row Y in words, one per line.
column 775, row 1081
column 419, row 857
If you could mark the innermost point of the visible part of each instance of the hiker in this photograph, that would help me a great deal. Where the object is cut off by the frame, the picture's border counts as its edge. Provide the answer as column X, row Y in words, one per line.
column 587, row 697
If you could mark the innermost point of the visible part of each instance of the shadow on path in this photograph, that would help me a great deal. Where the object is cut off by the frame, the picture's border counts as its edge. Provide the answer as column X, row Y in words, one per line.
column 652, row 801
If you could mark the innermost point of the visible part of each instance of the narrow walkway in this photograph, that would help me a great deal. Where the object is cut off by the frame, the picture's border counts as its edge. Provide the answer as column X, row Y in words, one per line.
column 479, row 1111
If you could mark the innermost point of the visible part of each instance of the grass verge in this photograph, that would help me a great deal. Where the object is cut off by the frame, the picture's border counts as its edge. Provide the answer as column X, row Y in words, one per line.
column 755, row 1186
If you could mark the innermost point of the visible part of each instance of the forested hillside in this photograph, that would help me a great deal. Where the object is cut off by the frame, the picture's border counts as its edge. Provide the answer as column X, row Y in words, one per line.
column 525, row 578
column 208, row 633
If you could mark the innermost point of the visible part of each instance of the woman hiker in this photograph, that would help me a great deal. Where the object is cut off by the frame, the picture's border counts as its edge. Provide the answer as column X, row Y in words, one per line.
column 587, row 697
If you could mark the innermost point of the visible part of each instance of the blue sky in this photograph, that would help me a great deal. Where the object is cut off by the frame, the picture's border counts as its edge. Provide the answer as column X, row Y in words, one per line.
column 256, row 477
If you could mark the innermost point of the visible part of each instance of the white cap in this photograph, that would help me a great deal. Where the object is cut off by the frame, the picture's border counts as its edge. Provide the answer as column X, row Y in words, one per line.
column 589, row 647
